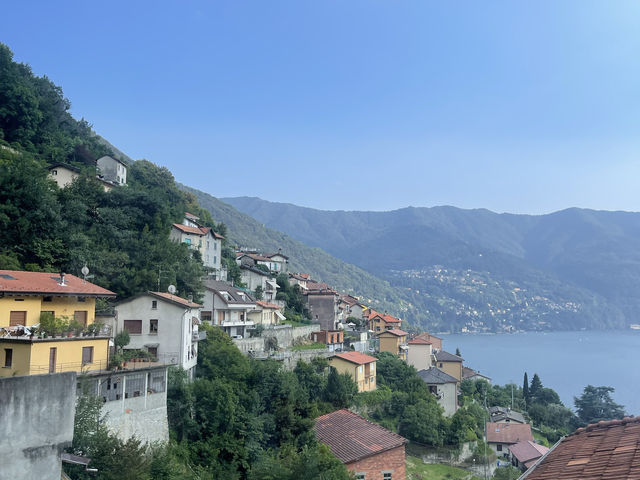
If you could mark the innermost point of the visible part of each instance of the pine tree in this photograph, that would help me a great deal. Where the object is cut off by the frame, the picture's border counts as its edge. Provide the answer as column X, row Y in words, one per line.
column 536, row 386
column 525, row 389
column 458, row 352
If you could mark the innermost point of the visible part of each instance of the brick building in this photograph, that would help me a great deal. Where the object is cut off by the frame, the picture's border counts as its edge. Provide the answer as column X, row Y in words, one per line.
column 370, row 451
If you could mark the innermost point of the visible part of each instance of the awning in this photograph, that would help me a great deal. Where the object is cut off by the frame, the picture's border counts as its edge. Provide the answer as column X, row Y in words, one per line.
column 280, row 316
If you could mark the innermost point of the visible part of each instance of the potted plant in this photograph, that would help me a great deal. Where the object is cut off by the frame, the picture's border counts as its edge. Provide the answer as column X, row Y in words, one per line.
column 75, row 327
column 97, row 327
column 47, row 324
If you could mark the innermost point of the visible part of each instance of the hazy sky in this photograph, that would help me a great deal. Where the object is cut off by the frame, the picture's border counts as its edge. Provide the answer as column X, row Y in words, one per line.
column 371, row 105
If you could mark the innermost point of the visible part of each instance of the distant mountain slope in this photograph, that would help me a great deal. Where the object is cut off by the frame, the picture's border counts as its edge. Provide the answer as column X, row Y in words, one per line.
column 248, row 232
column 591, row 258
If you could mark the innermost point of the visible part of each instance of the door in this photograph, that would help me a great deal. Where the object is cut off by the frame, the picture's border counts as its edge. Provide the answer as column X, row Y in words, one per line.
column 52, row 359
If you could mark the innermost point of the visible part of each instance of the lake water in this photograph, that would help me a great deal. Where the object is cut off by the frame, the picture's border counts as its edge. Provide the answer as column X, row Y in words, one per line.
column 565, row 361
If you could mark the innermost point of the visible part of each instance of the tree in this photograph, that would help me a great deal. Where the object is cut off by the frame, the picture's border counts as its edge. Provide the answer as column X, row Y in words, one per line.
column 525, row 388
column 121, row 339
column 340, row 389
column 536, row 386
column 458, row 352
column 596, row 404
column 259, row 293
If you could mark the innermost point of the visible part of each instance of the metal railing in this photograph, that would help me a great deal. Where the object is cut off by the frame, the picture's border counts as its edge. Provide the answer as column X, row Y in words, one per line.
column 171, row 358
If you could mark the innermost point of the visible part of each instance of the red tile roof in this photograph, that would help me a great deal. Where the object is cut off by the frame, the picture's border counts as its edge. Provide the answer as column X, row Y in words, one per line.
column 267, row 304
column 39, row 283
column 351, row 438
column 419, row 341
column 527, row 450
column 508, row 432
column 197, row 230
column 384, row 316
column 605, row 450
column 176, row 299
column 395, row 331
column 356, row 357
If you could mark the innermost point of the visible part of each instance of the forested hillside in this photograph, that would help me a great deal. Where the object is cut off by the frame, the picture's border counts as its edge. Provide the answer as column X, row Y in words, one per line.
column 122, row 236
column 567, row 270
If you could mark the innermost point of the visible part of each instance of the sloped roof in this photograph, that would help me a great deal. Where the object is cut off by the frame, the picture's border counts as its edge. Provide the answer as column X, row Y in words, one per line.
column 267, row 304
column 356, row 357
column 443, row 356
column 270, row 255
column 605, row 450
column 351, row 438
column 197, row 230
column 470, row 373
column 236, row 296
column 419, row 341
column 43, row 283
column 435, row 376
column 508, row 432
column 527, row 450
column 396, row 332
column 175, row 299
column 384, row 316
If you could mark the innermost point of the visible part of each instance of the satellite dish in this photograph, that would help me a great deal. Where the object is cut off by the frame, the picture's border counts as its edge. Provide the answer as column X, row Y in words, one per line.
column 172, row 289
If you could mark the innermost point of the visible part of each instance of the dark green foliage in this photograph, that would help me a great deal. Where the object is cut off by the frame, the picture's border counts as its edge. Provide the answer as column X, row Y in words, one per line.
column 596, row 404
column 507, row 473
column 340, row 389
column 296, row 308
column 536, row 386
column 238, row 412
column 525, row 389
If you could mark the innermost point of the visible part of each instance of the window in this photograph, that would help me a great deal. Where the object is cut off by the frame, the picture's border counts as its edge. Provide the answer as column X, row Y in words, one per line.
column 8, row 357
column 134, row 327
column 387, row 475
column 80, row 316
column 187, row 241
column 47, row 299
column 153, row 326
column 215, row 259
column 499, row 448
column 82, row 299
column 17, row 318
column 87, row 355
column 361, row 476
column 48, row 312
column 205, row 316
column 153, row 351
column 154, row 304
column 54, row 172
column 441, row 365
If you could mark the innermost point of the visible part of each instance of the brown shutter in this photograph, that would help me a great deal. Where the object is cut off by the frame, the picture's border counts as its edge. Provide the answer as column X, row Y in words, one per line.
column 87, row 355
column 80, row 316
column 17, row 318
column 133, row 326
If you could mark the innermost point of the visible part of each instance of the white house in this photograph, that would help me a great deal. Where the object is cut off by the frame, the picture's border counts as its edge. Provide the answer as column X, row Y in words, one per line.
column 203, row 239
column 254, row 277
column 275, row 262
column 443, row 386
column 228, row 307
column 420, row 354
column 163, row 324
column 112, row 170
column 266, row 313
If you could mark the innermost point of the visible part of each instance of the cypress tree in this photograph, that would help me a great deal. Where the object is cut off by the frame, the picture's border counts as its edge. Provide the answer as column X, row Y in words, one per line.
column 525, row 389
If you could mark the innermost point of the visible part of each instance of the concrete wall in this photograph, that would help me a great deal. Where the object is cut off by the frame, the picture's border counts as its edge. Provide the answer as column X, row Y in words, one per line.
column 285, row 335
column 37, row 424
column 323, row 310
column 145, row 417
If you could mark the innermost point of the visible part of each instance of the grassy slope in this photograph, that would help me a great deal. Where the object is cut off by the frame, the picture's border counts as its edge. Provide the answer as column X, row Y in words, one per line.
column 417, row 470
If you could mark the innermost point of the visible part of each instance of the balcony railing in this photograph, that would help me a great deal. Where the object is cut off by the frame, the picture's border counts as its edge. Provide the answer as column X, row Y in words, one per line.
column 170, row 358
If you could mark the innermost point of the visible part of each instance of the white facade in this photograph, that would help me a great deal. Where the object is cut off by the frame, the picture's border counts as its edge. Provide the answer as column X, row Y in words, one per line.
column 168, row 327
column 420, row 355
column 112, row 170
column 203, row 239
column 228, row 308
column 62, row 175
column 447, row 397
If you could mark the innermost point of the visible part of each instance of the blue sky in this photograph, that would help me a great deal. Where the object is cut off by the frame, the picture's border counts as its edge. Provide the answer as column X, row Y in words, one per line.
column 525, row 107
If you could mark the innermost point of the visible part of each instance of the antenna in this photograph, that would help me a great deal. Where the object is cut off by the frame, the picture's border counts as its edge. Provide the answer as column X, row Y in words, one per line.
column 172, row 289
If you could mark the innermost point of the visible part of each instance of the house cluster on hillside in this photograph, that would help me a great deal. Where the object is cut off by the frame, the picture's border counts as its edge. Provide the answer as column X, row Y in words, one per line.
column 110, row 172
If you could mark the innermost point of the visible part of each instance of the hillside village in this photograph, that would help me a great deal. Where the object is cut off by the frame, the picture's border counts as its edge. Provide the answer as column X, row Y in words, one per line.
column 136, row 342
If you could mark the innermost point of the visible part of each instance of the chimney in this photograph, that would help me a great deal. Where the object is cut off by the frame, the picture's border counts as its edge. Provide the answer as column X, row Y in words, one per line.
column 190, row 298
column 62, row 284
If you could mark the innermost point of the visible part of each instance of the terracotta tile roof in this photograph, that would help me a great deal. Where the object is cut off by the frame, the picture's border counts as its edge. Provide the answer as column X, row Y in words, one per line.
column 395, row 331
column 270, row 255
column 384, row 316
column 267, row 304
column 443, row 356
column 351, row 438
column 39, row 283
column 356, row 357
column 602, row 451
column 187, row 229
column 419, row 341
column 527, row 450
column 175, row 299
column 508, row 432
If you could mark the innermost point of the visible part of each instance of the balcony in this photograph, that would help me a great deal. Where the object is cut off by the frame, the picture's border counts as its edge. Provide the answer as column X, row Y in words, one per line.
column 198, row 336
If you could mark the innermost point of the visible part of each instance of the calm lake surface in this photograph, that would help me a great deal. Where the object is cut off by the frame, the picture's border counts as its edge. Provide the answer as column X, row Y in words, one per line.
column 565, row 361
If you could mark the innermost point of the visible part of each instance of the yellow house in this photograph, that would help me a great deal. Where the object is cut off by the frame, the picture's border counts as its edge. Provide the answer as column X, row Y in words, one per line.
column 450, row 364
column 360, row 366
column 394, row 341
column 24, row 296
column 379, row 322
